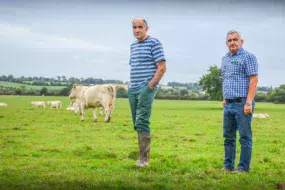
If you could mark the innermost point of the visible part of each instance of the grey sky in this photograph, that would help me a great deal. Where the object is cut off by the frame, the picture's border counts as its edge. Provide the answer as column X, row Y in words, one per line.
column 92, row 38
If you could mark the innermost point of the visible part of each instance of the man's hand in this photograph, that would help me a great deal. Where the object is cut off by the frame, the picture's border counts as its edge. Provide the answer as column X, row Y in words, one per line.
column 150, row 86
column 224, row 103
column 161, row 69
column 247, row 109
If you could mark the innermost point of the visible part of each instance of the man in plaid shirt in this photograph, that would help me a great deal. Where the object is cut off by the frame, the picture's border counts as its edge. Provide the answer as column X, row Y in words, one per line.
column 239, row 74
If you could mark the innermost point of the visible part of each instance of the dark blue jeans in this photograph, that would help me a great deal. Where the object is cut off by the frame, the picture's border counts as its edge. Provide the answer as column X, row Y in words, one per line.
column 141, row 104
column 235, row 119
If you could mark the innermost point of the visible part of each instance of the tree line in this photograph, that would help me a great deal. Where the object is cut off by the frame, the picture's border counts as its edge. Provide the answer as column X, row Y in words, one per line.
column 209, row 87
column 58, row 81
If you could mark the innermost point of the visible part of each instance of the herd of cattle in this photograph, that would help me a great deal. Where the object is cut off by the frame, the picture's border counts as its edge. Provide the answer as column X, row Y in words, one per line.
column 82, row 97
column 94, row 97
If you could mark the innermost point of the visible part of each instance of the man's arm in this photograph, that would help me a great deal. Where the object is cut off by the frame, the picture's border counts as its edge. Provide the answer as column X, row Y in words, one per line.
column 158, row 74
column 251, row 93
column 252, row 88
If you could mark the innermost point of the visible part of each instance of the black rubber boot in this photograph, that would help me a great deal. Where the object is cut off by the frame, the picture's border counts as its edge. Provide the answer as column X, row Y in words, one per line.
column 144, row 148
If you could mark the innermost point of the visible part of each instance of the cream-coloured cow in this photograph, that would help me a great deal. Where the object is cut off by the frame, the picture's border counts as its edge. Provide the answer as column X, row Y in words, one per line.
column 94, row 97
column 260, row 115
column 3, row 105
column 55, row 104
column 38, row 104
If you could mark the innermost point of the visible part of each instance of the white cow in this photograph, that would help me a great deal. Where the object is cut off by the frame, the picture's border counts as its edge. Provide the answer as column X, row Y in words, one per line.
column 93, row 97
column 55, row 104
column 38, row 104
column 3, row 105
column 260, row 115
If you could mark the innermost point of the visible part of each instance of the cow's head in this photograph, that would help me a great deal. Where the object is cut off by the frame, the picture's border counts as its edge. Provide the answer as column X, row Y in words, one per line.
column 73, row 92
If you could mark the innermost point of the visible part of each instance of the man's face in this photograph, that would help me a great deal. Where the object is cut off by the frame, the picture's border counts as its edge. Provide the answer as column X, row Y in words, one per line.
column 234, row 42
column 139, row 29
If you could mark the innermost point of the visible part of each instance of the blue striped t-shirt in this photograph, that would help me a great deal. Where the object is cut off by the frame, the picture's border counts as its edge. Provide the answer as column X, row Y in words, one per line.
column 144, row 56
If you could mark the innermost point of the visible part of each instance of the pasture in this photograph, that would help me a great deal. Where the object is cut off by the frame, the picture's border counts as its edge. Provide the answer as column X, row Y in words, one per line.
column 52, row 149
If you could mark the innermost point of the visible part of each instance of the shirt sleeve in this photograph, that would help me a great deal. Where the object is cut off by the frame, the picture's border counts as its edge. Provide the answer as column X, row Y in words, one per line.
column 130, row 55
column 157, row 52
column 251, row 66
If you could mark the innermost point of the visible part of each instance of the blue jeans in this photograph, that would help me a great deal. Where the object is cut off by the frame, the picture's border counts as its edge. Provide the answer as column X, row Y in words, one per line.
column 141, row 104
column 235, row 119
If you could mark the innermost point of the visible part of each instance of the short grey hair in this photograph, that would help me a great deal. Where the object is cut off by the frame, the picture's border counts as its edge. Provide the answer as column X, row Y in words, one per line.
column 144, row 21
column 234, row 31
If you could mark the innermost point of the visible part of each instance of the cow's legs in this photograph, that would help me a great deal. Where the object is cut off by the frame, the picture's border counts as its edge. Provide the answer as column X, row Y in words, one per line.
column 82, row 111
column 94, row 114
column 107, row 112
column 101, row 110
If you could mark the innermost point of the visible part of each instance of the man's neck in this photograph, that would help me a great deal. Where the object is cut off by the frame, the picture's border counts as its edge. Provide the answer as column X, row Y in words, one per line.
column 144, row 38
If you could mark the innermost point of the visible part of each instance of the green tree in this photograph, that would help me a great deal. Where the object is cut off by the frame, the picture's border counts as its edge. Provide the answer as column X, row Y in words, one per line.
column 64, row 92
column 122, row 93
column 278, row 94
column 44, row 90
column 18, row 91
column 212, row 83
column 183, row 92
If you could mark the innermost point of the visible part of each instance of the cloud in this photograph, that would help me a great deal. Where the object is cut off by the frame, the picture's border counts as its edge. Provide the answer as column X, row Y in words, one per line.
column 26, row 38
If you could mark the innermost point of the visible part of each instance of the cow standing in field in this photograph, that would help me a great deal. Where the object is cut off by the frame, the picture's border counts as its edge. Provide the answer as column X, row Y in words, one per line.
column 38, row 104
column 93, row 97
column 55, row 104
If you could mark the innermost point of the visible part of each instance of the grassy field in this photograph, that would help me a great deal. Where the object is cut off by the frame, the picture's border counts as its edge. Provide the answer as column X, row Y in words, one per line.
column 52, row 149
column 13, row 84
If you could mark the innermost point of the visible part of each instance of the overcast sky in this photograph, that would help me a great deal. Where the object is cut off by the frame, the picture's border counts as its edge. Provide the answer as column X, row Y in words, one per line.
column 92, row 38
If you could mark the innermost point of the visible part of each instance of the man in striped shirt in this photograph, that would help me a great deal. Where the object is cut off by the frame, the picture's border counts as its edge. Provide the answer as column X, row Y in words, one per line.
column 147, row 63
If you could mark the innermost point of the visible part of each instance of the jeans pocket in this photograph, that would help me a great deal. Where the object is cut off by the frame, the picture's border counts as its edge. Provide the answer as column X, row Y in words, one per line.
column 149, row 88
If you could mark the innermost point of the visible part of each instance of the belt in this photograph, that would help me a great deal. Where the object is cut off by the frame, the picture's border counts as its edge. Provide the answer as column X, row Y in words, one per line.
column 239, row 99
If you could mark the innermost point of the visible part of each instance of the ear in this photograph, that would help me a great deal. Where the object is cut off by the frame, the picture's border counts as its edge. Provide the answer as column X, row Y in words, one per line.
column 242, row 41
column 74, row 86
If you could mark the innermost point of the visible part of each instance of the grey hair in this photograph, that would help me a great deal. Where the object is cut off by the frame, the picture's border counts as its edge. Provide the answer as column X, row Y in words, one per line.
column 144, row 21
column 234, row 31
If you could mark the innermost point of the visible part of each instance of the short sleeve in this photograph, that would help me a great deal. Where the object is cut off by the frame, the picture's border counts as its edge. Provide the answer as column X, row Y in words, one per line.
column 251, row 66
column 157, row 52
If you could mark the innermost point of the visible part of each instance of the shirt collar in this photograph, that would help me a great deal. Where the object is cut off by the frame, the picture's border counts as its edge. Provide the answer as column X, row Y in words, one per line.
column 239, row 52
column 145, row 40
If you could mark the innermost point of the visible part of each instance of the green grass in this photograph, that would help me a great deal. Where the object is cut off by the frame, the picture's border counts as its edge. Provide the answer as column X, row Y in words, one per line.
column 52, row 149
column 13, row 84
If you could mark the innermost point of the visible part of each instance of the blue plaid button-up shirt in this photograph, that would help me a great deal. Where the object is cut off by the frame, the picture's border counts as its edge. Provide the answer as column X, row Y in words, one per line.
column 236, row 70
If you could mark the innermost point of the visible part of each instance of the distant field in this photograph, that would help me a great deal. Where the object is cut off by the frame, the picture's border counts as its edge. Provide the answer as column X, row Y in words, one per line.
column 13, row 84
column 52, row 149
